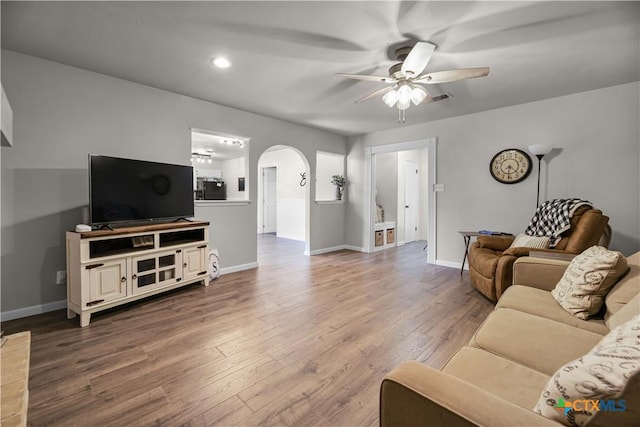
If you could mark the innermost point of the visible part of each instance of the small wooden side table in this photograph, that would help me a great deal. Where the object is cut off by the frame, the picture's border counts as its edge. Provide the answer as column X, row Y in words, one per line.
column 467, row 235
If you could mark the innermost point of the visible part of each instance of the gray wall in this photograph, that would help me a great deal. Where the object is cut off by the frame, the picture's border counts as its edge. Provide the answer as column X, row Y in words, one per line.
column 62, row 113
column 599, row 138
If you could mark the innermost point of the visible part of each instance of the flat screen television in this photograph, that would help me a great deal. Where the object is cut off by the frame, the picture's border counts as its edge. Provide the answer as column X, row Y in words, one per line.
column 127, row 190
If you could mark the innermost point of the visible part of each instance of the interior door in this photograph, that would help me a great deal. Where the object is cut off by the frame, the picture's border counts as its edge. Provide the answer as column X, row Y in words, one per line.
column 410, row 200
column 269, row 199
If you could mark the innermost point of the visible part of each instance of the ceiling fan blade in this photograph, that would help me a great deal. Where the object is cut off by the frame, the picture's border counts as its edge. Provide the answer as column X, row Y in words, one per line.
column 379, row 79
column 453, row 75
column 429, row 99
column 376, row 93
column 418, row 58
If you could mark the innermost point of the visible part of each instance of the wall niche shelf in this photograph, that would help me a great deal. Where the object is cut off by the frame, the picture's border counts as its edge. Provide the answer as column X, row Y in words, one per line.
column 108, row 268
column 384, row 235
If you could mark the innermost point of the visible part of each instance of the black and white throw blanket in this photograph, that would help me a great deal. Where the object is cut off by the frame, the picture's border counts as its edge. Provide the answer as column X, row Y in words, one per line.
column 553, row 218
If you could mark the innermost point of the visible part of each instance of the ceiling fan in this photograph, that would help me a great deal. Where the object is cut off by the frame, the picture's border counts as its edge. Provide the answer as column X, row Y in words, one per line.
column 405, row 79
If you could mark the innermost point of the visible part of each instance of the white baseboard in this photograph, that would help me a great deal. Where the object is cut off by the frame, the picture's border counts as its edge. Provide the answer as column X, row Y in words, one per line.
column 333, row 249
column 451, row 264
column 325, row 250
column 33, row 310
column 239, row 267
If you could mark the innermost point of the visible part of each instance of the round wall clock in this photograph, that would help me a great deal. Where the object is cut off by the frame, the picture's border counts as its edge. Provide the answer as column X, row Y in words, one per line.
column 510, row 166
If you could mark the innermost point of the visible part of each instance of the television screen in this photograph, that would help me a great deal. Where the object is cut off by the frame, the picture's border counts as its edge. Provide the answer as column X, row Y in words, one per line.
column 126, row 190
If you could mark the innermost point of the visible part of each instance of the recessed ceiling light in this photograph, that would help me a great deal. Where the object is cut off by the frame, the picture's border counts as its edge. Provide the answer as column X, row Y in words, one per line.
column 221, row 62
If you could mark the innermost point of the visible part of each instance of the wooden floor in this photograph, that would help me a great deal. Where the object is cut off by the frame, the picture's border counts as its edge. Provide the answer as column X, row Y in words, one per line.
column 299, row 341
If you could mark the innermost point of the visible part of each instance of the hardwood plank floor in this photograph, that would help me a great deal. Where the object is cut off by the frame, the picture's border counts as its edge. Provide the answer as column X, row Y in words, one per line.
column 298, row 341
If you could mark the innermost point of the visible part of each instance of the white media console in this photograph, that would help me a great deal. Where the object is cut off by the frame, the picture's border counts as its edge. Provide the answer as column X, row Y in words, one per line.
column 106, row 268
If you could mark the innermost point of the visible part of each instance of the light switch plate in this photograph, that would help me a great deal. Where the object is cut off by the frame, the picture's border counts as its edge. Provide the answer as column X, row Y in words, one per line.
column 438, row 187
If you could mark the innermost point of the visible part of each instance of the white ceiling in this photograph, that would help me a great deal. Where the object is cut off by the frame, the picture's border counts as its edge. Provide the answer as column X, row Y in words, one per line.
column 285, row 54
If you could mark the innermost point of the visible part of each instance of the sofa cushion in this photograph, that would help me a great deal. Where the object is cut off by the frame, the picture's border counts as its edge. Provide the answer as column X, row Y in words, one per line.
column 587, row 279
column 602, row 374
column 532, row 340
column 623, row 292
column 507, row 379
column 626, row 313
column 541, row 303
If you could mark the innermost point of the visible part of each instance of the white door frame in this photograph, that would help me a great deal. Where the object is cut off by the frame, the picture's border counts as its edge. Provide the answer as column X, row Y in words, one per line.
column 369, row 200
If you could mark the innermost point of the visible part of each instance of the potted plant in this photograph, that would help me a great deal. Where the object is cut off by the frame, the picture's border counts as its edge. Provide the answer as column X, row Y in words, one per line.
column 339, row 182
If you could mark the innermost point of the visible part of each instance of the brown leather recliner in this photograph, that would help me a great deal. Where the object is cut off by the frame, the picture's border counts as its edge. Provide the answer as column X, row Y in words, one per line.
column 491, row 259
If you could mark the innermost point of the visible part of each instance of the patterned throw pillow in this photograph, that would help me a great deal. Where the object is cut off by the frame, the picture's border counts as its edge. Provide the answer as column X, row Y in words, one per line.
column 526, row 241
column 587, row 279
column 604, row 380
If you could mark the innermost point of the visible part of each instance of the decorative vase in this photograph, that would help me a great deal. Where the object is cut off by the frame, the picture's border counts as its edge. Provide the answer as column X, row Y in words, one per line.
column 339, row 192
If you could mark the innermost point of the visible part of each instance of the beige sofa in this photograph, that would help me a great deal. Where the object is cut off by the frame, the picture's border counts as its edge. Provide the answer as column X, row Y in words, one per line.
column 497, row 378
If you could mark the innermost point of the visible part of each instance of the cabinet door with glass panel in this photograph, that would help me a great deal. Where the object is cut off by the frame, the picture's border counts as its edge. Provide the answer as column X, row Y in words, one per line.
column 155, row 271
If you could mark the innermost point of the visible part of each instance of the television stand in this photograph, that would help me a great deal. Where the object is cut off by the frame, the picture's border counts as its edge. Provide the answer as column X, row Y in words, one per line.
column 105, row 227
column 107, row 268
column 182, row 219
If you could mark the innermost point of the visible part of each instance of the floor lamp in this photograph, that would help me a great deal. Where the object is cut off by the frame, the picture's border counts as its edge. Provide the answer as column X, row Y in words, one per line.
column 539, row 150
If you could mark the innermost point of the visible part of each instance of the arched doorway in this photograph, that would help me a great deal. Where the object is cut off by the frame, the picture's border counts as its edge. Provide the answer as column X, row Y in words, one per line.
column 283, row 197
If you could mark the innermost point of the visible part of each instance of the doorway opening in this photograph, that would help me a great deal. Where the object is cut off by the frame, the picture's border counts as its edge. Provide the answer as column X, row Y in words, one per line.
column 400, row 202
column 269, row 200
column 283, row 199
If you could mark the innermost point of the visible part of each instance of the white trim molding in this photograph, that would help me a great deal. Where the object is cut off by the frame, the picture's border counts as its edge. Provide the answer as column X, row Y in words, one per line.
column 206, row 203
column 326, row 250
column 451, row 264
column 33, row 310
column 329, row 202
column 239, row 267
column 369, row 169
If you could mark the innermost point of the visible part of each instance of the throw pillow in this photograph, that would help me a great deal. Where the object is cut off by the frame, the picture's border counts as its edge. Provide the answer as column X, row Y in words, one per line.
column 605, row 379
column 526, row 241
column 587, row 279
column 214, row 264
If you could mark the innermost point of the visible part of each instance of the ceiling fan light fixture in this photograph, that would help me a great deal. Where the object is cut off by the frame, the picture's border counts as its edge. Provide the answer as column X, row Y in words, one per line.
column 404, row 104
column 390, row 98
column 404, row 95
column 221, row 62
column 418, row 95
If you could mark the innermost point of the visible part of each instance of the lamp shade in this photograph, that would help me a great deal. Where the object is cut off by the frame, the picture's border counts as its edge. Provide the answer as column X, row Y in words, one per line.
column 390, row 98
column 404, row 95
column 403, row 103
column 418, row 95
column 540, row 149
